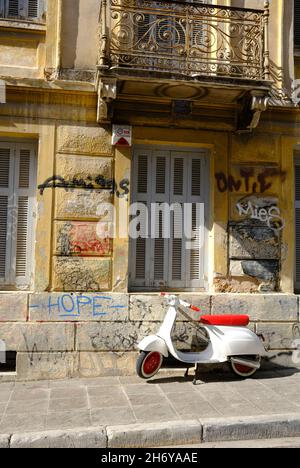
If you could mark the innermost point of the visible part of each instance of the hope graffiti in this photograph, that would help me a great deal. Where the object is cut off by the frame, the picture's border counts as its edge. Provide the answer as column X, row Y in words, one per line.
column 70, row 306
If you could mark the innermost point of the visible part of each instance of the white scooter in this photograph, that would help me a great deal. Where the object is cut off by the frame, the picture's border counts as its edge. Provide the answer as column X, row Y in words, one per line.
column 228, row 340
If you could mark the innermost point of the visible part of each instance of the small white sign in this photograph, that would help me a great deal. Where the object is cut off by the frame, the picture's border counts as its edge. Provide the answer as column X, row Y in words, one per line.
column 2, row 352
column 122, row 135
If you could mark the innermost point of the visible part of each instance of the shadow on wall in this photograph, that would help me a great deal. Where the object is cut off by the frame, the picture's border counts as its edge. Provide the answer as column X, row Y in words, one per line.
column 287, row 38
column 70, row 29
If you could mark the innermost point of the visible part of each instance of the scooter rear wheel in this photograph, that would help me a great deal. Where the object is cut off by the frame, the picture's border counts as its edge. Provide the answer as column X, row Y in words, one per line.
column 148, row 364
column 243, row 371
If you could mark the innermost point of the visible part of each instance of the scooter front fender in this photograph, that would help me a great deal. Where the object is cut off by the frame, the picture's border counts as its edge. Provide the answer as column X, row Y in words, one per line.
column 154, row 343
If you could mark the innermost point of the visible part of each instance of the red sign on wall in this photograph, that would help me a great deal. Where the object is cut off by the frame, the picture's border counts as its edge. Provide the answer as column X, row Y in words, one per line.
column 122, row 135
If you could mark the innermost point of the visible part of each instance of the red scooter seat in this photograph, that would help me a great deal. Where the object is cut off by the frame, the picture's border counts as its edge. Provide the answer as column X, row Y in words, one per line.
column 226, row 320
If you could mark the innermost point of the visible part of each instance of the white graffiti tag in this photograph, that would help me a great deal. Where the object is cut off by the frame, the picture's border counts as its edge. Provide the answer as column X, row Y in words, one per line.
column 263, row 211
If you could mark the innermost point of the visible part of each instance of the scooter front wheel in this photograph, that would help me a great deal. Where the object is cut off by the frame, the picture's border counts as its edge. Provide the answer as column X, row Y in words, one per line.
column 148, row 364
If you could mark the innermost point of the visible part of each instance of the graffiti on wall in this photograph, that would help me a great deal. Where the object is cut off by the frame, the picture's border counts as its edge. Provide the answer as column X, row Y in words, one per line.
column 79, row 238
column 264, row 210
column 249, row 180
column 66, row 306
column 121, row 190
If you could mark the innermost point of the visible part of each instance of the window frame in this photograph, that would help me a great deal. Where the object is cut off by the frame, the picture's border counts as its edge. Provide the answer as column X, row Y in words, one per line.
column 136, row 285
column 11, row 280
column 23, row 6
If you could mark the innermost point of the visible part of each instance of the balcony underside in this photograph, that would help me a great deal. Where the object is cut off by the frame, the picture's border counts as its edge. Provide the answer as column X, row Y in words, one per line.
column 182, row 98
column 169, row 51
column 207, row 90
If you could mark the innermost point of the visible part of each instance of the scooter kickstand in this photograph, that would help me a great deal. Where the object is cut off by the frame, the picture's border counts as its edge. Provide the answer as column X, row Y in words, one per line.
column 196, row 379
column 186, row 375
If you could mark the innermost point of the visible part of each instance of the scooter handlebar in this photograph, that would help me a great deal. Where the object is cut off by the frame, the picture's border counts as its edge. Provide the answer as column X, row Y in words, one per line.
column 183, row 303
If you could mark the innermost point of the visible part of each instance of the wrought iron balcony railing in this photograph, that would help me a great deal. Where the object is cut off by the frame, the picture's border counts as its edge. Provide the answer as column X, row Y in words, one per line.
column 185, row 38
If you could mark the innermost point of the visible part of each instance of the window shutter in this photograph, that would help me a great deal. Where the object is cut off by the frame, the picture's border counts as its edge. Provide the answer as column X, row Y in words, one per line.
column 24, row 193
column 5, row 197
column 159, row 197
column 297, row 227
column 178, row 197
column 3, row 235
column 197, row 222
column 13, row 8
column 140, row 246
column 22, row 237
column 31, row 9
column 172, row 180
column 17, row 195
column 297, row 22
column 298, row 248
column 297, row 183
column 196, row 253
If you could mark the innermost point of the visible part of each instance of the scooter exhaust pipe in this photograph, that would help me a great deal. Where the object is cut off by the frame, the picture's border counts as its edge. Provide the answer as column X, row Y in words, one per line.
column 245, row 362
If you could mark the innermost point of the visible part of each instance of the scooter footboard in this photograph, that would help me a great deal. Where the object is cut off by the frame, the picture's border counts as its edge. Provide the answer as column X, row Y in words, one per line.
column 154, row 343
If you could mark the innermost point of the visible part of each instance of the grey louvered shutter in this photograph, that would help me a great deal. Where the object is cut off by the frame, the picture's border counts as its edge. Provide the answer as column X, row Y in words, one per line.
column 177, row 265
column 159, row 200
column 24, row 201
column 25, row 9
column 140, row 245
column 187, row 251
column 33, row 9
column 168, row 182
column 197, row 199
column 13, row 8
column 17, row 204
column 6, row 198
column 297, row 226
column 297, row 22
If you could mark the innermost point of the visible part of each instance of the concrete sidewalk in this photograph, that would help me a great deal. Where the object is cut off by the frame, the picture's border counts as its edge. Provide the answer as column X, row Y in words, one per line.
column 169, row 410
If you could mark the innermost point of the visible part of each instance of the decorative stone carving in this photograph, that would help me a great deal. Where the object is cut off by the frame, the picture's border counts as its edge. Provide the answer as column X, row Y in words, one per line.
column 107, row 92
column 253, row 104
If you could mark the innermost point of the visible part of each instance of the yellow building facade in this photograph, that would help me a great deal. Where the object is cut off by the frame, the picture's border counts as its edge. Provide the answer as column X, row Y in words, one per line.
column 208, row 95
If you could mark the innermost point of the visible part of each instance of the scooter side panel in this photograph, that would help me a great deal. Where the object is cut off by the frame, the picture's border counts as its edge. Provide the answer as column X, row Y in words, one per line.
column 154, row 343
column 240, row 342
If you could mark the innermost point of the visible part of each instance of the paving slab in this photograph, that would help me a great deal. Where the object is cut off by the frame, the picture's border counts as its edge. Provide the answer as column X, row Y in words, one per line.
column 68, row 419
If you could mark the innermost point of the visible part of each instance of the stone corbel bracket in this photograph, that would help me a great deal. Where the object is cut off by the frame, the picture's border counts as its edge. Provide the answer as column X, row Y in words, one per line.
column 107, row 93
column 253, row 104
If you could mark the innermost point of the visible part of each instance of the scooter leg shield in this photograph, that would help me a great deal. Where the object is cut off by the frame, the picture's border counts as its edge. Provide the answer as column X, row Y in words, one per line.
column 154, row 343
